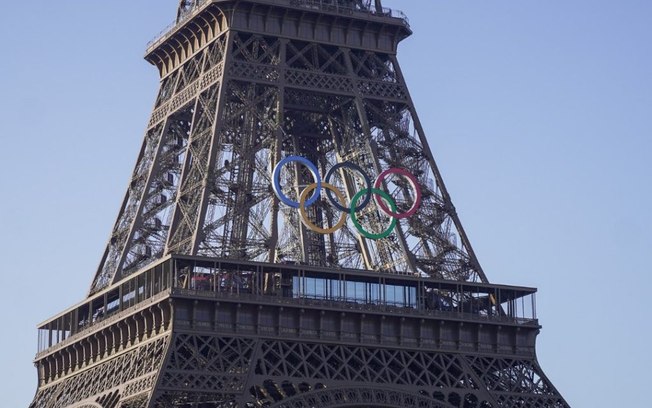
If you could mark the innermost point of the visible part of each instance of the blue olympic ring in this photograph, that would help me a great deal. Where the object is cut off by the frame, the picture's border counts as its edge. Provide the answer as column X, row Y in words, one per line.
column 277, row 181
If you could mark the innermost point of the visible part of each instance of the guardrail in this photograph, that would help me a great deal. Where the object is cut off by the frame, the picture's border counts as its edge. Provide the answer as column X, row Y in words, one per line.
column 185, row 17
column 333, row 6
column 386, row 307
column 101, row 323
column 322, row 5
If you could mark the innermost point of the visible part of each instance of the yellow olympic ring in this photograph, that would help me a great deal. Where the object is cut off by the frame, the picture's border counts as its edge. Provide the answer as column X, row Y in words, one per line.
column 304, row 214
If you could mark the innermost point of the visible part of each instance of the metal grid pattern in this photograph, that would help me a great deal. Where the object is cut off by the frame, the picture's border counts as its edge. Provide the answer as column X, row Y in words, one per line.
column 126, row 377
column 242, row 88
column 233, row 110
column 273, row 373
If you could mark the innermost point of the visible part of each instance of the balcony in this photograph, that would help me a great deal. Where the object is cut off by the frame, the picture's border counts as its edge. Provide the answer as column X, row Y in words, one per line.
column 326, row 6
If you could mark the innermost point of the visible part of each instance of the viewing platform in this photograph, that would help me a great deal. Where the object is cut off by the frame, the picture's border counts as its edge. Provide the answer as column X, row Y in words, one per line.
column 330, row 21
column 322, row 6
column 287, row 288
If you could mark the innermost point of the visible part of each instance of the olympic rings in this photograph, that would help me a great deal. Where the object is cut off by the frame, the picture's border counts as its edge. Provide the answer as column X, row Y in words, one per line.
column 277, row 180
column 357, row 224
column 304, row 215
column 381, row 198
column 415, row 187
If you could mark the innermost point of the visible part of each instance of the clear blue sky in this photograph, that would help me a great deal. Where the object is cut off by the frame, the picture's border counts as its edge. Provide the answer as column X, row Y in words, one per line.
column 539, row 114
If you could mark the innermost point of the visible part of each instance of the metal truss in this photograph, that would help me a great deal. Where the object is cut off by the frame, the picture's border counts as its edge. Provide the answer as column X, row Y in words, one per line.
column 219, row 345
column 123, row 381
column 240, row 372
column 232, row 110
column 183, row 350
column 200, row 298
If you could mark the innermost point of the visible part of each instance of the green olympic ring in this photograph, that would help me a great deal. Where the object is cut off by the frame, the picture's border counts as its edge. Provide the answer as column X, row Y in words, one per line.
column 357, row 224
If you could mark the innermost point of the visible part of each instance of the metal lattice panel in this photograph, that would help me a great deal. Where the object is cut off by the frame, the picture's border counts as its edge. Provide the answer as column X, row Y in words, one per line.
column 143, row 226
column 296, row 374
column 208, row 364
column 516, row 382
column 237, row 107
column 128, row 374
column 359, row 397
column 244, row 85
column 189, row 399
column 365, row 365
column 341, row 365
column 141, row 401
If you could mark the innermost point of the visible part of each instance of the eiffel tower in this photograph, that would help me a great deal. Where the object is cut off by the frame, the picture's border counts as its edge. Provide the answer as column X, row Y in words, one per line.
column 286, row 239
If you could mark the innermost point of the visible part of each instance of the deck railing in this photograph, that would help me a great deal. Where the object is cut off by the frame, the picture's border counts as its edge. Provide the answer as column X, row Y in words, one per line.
column 355, row 304
column 331, row 6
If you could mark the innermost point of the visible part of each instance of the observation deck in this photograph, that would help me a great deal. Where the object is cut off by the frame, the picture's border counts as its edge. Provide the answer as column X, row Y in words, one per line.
column 331, row 7
column 251, row 298
column 327, row 21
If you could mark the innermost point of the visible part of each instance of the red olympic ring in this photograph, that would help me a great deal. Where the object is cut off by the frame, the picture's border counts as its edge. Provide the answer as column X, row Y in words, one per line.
column 415, row 187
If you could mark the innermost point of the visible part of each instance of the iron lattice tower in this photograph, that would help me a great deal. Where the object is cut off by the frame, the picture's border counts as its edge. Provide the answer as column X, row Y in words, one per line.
column 211, row 291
